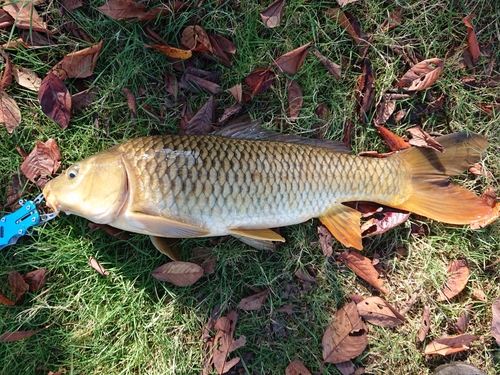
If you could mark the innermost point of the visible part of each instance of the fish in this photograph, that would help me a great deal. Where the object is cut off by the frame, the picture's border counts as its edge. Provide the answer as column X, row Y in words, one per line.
column 243, row 180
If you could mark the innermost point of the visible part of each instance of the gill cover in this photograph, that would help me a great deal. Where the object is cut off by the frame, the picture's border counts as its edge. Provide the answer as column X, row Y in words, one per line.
column 95, row 188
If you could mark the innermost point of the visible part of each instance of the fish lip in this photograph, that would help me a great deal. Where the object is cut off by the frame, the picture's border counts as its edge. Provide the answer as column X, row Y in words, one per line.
column 51, row 200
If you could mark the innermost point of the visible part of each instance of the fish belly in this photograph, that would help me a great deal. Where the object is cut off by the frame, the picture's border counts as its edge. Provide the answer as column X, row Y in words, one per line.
column 220, row 184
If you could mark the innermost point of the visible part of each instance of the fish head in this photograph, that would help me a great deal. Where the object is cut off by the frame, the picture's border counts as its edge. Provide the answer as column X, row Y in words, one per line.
column 95, row 188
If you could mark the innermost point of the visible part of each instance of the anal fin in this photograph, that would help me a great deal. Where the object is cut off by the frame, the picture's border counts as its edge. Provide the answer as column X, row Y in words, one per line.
column 344, row 224
column 167, row 246
column 258, row 238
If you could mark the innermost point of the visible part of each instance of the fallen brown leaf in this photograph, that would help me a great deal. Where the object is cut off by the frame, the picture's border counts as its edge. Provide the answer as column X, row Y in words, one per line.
column 201, row 122
column 343, row 3
column 79, row 64
column 457, row 280
column 383, row 220
column 84, row 98
column 271, row 15
column 450, row 345
column 237, row 92
column 325, row 240
column 346, row 368
column 10, row 114
column 295, row 100
column 226, row 343
column 18, row 285
column 422, row 75
column 55, row 100
column 70, row 5
column 495, row 320
column 258, row 81
column 36, row 279
column 26, row 78
column 425, row 324
column 296, row 368
column 42, row 162
column 305, row 276
column 364, row 91
column 6, row 75
column 19, row 335
column 463, row 320
column 175, row 53
column 97, row 266
column 471, row 38
column 346, row 21
column 4, row 300
column 196, row 38
column 345, row 337
column 178, row 273
column 254, row 302
column 5, row 19
column 394, row 141
column 291, row 62
column 206, row 258
column 15, row 190
column 420, row 138
column 332, row 68
column 384, row 112
column 379, row 312
column 25, row 16
column 363, row 267
column 131, row 102
column 122, row 9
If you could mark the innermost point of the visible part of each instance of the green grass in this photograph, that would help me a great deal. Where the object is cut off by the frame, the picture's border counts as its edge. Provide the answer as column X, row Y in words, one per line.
column 130, row 323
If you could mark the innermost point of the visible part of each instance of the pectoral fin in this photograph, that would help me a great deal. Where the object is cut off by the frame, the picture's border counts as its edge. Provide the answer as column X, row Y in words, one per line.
column 344, row 223
column 258, row 234
column 167, row 246
column 163, row 227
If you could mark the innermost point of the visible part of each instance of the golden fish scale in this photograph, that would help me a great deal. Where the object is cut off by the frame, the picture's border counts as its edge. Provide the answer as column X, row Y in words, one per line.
column 215, row 183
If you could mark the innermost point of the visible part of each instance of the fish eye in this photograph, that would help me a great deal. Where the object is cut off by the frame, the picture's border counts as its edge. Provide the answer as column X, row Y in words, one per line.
column 72, row 171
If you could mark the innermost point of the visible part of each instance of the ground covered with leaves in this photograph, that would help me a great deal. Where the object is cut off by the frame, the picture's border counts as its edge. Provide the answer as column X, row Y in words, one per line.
column 78, row 77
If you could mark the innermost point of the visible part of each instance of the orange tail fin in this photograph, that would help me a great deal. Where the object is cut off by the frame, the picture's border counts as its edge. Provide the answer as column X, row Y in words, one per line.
column 432, row 194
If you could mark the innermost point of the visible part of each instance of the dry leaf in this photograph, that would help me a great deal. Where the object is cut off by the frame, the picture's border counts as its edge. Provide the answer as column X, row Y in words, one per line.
column 6, row 79
column 422, row 75
column 345, row 337
column 471, row 38
column 305, row 276
column 343, row 3
column 226, row 343
column 463, row 320
column 5, row 20
column 26, row 78
column 122, row 9
column 296, row 368
column 363, row 267
column 10, row 114
column 201, row 123
column 16, row 336
column 79, row 64
column 15, row 190
column 196, row 38
column 420, row 138
column 394, row 141
column 237, row 92
column 97, row 266
column 259, row 80
column 450, row 345
column 295, row 100
column 55, row 100
column 25, row 16
column 384, row 219
column 425, row 324
column 458, row 276
column 131, row 102
column 479, row 295
column 332, row 68
column 379, row 312
column 175, row 53
column 84, row 98
column 254, row 302
column 291, row 62
column 325, row 240
column 384, row 112
column 234, row 110
column 70, row 5
column 346, row 368
column 18, row 285
column 36, row 279
column 5, row 301
column 206, row 258
column 42, row 162
column 178, row 273
column 495, row 321
column 271, row 16
column 347, row 22
column 364, row 91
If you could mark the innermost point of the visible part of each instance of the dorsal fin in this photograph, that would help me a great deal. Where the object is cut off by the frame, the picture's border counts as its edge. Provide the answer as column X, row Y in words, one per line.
column 245, row 128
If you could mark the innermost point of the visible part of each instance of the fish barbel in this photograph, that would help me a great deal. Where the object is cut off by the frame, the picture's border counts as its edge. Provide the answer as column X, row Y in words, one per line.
column 211, row 185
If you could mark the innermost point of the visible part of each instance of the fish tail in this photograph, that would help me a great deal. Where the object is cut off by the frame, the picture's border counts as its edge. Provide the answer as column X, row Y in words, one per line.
column 432, row 194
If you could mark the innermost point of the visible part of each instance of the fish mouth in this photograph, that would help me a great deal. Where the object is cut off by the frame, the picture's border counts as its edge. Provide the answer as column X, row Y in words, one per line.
column 50, row 199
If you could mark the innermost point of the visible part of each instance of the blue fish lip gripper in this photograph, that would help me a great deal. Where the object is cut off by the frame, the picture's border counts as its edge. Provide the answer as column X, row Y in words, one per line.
column 20, row 222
